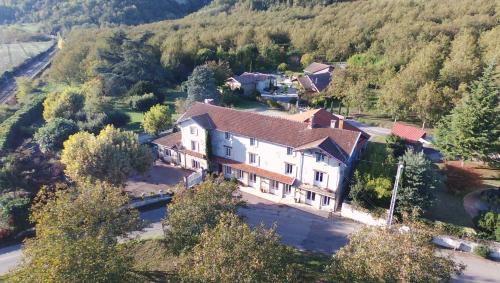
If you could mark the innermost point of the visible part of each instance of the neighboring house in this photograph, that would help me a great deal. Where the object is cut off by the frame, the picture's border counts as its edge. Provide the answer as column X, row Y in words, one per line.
column 250, row 82
column 413, row 136
column 293, row 160
column 317, row 77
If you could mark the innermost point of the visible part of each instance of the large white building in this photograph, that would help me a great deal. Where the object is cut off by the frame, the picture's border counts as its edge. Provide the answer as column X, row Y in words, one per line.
column 296, row 159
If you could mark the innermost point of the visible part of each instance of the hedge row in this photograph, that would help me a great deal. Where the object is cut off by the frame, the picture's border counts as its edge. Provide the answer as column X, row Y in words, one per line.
column 12, row 129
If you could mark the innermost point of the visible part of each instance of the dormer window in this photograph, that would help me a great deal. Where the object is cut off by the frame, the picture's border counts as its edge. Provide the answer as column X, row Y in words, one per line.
column 320, row 157
column 227, row 135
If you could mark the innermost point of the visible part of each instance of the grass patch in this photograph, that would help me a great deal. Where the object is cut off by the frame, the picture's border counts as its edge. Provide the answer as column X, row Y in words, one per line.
column 449, row 208
column 244, row 104
column 312, row 265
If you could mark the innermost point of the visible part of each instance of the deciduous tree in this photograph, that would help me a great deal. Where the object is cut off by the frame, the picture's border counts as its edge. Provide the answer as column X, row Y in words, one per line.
column 196, row 209
column 109, row 157
column 67, row 104
column 76, row 238
column 234, row 252
column 201, row 84
column 156, row 120
column 391, row 255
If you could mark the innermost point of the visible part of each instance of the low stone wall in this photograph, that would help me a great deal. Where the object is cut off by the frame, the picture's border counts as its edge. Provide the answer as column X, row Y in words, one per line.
column 349, row 211
column 465, row 245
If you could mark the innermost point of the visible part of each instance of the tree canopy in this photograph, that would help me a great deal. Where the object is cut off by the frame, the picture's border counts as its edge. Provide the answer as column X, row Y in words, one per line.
column 52, row 135
column 156, row 120
column 377, row 254
column 472, row 130
column 110, row 157
column 76, row 237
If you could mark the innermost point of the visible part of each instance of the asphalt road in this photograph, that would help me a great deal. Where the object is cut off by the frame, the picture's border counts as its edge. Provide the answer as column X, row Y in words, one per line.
column 33, row 69
column 297, row 228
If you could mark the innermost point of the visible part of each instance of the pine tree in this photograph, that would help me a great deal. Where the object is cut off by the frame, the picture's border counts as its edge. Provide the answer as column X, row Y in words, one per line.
column 201, row 84
column 472, row 130
column 419, row 179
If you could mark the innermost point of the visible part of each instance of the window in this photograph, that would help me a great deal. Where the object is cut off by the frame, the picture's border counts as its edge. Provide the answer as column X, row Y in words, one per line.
column 326, row 201
column 289, row 151
column 240, row 174
column 311, row 196
column 193, row 145
column 318, row 176
column 195, row 164
column 167, row 152
column 288, row 168
column 252, row 157
column 253, row 178
column 274, row 185
column 252, row 141
column 320, row 157
column 193, row 130
column 288, row 189
column 227, row 170
column 228, row 135
column 228, row 150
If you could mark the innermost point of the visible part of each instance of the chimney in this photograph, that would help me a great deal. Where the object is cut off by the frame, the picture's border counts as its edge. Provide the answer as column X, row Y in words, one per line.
column 341, row 122
column 209, row 101
column 333, row 124
column 311, row 122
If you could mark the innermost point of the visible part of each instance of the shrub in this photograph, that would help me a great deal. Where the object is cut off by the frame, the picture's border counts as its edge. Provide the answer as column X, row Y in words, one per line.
column 144, row 102
column 283, row 67
column 51, row 136
column 489, row 225
column 482, row 251
column 14, row 212
column 273, row 103
column 140, row 88
column 12, row 129
column 118, row 118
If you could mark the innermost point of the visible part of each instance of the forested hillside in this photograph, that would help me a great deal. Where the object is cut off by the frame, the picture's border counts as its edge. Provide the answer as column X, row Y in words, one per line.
column 406, row 58
column 59, row 15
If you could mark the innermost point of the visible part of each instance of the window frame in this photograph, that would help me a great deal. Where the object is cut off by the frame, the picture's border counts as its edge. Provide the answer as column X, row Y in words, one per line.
column 289, row 151
column 228, row 170
column 311, row 196
column 228, row 151
column 194, row 146
column 195, row 164
column 253, row 142
column 288, row 166
column 275, row 185
column 193, row 130
column 240, row 174
column 323, row 201
column 227, row 135
column 250, row 154
column 252, row 178
column 287, row 189
column 320, row 157
column 320, row 175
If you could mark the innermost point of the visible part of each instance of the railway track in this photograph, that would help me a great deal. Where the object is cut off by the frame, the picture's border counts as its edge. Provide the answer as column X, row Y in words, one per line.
column 32, row 70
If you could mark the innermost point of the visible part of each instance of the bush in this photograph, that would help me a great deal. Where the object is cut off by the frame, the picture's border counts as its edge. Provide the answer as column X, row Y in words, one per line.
column 140, row 88
column 14, row 213
column 12, row 130
column 52, row 135
column 118, row 118
column 283, row 67
column 273, row 104
column 488, row 224
column 482, row 251
column 143, row 103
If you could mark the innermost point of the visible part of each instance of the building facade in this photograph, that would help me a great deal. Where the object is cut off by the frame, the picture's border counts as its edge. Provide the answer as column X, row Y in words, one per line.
column 292, row 160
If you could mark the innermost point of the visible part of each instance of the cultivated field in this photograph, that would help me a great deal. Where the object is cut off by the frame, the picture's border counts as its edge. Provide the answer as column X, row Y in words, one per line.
column 14, row 54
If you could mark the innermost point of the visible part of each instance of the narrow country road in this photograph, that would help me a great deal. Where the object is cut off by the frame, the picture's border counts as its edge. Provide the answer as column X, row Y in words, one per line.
column 33, row 69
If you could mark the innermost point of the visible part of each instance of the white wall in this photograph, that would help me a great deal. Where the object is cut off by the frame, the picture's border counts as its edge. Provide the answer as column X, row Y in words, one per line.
column 199, row 137
column 349, row 211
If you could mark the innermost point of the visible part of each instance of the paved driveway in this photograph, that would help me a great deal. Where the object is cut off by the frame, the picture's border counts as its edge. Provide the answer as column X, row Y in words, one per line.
column 298, row 228
column 160, row 177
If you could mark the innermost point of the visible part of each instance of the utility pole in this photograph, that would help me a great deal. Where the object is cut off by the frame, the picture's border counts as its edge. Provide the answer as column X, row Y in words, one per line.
column 394, row 193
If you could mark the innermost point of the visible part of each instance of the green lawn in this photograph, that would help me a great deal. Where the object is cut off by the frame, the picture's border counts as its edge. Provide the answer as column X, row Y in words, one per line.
column 244, row 104
column 136, row 117
column 449, row 208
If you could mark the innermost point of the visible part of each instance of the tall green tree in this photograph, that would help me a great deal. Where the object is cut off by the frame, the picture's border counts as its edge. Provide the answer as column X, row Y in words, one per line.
column 201, row 84
column 76, row 237
column 108, row 157
column 463, row 64
column 66, row 104
column 156, row 120
column 234, row 252
column 196, row 209
column 377, row 254
column 52, row 135
column 472, row 130
column 418, row 182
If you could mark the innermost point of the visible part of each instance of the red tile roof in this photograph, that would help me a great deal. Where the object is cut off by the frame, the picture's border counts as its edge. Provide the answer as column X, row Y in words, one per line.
column 255, row 170
column 169, row 140
column 273, row 129
column 323, row 118
column 409, row 133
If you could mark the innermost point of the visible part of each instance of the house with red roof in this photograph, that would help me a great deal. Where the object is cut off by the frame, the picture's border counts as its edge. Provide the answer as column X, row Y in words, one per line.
column 305, row 159
column 412, row 135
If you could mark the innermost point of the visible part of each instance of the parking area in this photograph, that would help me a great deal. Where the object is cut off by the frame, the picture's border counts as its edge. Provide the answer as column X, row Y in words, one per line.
column 161, row 176
column 298, row 228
